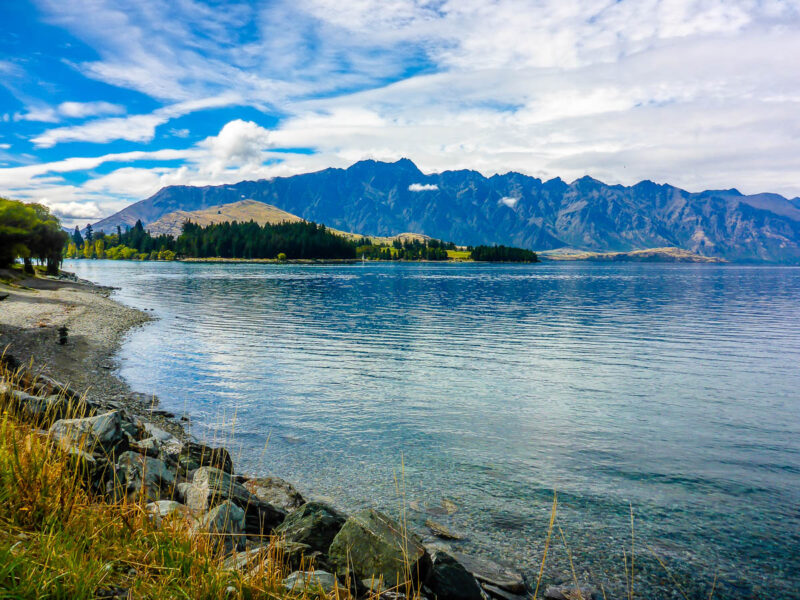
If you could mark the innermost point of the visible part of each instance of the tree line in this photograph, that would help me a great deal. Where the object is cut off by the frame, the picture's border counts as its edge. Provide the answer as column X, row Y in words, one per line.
column 31, row 232
column 502, row 254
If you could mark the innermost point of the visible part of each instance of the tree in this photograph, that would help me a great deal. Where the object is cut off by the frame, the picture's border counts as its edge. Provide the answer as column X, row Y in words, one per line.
column 77, row 238
column 30, row 231
column 89, row 232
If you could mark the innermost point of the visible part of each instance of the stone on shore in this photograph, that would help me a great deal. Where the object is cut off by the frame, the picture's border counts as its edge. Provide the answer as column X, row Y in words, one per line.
column 225, row 525
column 163, row 509
column 36, row 409
column 193, row 456
column 449, row 580
column 276, row 491
column 149, row 447
column 99, row 433
column 211, row 486
column 312, row 583
column 315, row 524
column 487, row 571
column 376, row 547
column 141, row 475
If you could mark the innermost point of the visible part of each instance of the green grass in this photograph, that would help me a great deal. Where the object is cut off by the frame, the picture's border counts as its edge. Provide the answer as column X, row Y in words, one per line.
column 458, row 255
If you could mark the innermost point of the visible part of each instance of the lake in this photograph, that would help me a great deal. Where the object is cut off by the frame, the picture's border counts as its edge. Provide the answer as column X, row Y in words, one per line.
column 669, row 390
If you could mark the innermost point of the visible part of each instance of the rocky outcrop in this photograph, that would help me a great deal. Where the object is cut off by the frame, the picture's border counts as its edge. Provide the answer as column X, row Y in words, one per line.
column 376, row 548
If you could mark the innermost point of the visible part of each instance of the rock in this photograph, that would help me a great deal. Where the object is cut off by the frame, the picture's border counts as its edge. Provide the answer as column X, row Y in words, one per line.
column 225, row 524
column 244, row 561
column 210, row 486
column 99, row 433
column 487, row 571
column 496, row 592
column 159, row 434
column 449, row 580
column 374, row 546
column 314, row 523
column 276, row 491
column 163, row 509
column 35, row 409
column 450, row 506
column 139, row 475
column 193, row 456
column 319, row 583
column 181, row 490
column 570, row 593
column 149, row 447
column 95, row 471
column 441, row 531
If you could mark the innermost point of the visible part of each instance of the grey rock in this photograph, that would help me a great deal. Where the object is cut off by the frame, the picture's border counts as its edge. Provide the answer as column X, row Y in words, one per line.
column 159, row 434
column 149, row 447
column 99, row 433
column 225, row 524
column 193, row 456
column 36, row 409
column 181, row 490
column 314, row 523
column 276, row 491
column 210, row 486
column 163, row 509
column 487, row 571
column 374, row 547
column 312, row 582
column 141, row 475
column 449, row 580
column 496, row 592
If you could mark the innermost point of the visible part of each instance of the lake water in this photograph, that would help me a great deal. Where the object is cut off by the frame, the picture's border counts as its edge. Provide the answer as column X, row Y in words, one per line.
column 673, row 390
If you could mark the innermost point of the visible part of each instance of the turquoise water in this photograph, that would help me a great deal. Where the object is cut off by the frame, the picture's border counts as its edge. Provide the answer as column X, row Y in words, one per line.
column 671, row 389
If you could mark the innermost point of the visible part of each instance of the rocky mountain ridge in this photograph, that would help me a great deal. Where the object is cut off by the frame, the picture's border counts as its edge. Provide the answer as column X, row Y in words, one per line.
column 512, row 208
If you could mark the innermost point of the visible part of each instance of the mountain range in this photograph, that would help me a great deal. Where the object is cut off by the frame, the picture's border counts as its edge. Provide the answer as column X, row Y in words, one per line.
column 464, row 206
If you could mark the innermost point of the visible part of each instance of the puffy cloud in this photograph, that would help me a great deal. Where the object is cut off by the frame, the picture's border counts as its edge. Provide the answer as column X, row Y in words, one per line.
column 422, row 187
column 75, row 210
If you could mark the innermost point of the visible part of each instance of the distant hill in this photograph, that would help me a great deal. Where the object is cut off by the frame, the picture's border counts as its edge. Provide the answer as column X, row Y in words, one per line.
column 250, row 210
column 243, row 211
column 513, row 209
column 648, row 255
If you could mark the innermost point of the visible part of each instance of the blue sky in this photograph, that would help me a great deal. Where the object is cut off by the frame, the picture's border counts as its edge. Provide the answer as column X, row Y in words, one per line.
column 104, row 102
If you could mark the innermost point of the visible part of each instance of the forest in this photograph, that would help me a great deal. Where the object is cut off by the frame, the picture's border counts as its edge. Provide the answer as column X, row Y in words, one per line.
column 282, row 241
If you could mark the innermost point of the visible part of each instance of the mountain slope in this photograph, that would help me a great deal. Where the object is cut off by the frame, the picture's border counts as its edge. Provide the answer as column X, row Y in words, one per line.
column 512, row 208
column 242, row 211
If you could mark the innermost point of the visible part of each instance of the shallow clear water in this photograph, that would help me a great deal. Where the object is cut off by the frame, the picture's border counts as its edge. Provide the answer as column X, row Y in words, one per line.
column 671, row 389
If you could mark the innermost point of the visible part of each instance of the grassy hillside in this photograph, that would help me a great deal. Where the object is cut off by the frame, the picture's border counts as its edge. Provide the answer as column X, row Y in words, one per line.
column 647, row 255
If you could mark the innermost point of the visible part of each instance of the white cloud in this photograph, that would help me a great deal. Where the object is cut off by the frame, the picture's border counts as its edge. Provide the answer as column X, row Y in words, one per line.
column 80, row 110
column 422, row 187
column 5, row 146
column 508, row 201
column 75, row 210
column 39, row 114
column 134, row 128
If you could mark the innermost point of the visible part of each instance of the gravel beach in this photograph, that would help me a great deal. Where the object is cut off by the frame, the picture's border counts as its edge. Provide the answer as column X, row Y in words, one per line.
column 29, row 321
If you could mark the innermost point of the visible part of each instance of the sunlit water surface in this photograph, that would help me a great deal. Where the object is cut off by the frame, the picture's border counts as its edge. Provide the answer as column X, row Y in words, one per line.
column 670, row 389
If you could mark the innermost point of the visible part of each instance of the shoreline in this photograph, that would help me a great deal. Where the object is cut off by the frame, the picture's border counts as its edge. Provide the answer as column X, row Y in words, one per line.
column 97, row 325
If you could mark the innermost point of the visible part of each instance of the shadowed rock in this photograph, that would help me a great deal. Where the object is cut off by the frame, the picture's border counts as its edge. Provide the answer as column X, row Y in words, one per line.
column 449, row 580
column 99, row 433
column 314, row 523
column 225, row 525
column 376, row 547
column 142, row 475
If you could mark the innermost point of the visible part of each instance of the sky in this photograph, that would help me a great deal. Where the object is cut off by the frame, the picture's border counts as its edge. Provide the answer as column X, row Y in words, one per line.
column 103, row 102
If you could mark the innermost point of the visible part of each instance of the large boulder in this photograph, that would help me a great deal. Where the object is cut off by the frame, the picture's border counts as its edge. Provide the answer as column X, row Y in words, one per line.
column 375, row 547
column 276, row 491
column 314, row 523
column 193, row 456
column 36, row 409
column 101, row 433
column 225, row 524
column 212, row 486
column 140, row 475
column 449, row 580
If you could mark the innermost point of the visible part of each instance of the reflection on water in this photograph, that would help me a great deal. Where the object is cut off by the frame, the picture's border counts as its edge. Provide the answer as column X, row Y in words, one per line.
column 669, row 388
